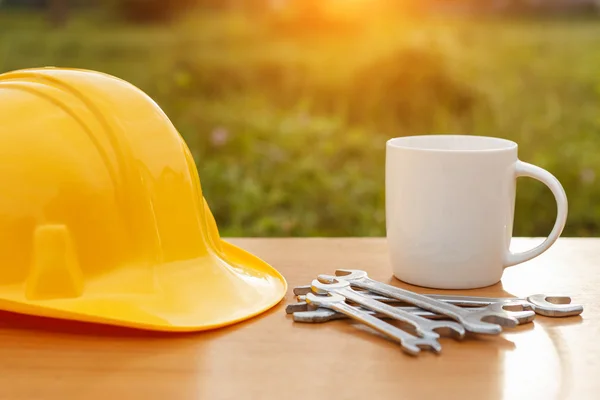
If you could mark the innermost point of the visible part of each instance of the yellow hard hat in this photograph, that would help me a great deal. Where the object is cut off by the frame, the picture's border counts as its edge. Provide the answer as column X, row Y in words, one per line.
column 102, row 217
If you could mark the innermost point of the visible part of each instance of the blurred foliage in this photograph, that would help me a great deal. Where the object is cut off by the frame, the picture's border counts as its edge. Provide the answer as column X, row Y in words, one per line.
column 287, row 111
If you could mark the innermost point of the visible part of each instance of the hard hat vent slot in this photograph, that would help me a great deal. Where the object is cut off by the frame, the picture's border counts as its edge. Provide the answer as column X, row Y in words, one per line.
column 55, row 272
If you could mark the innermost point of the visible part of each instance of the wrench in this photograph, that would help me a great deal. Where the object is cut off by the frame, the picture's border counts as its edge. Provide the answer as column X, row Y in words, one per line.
column 486, row 321
column 304, row 289
column 546, row 305
column 554, row 306
column 410, row 344
column 303, row 306
column 422, row 326
column 463, row 301
column 518, row 308
column 302, row 313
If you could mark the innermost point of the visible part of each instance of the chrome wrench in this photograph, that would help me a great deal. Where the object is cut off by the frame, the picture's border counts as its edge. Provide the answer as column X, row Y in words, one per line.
column 302, row 313
column 487, row 320
column 542, row 304
column 519, row 308
column 423, row 327
column 516, row 305
column 550, row 306
column 410, row 344
column 319, row 315
column 465, row 301
column 555, row 306
column 303, row 306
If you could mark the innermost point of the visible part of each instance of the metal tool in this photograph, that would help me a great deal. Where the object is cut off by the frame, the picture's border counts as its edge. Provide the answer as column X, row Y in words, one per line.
column 422, row 326
column 520, row 309
column 303, row 313
column 463, row 301
column 410, row 344
column 302, row 290
column 488, row 320
column 542, row 304
column 307, row 313
column 303, row 306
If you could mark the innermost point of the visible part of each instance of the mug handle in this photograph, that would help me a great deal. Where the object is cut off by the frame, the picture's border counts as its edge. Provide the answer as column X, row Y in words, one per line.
column 530, row 170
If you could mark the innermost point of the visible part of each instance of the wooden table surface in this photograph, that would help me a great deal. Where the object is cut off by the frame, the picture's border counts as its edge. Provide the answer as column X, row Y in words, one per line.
column 271, row 357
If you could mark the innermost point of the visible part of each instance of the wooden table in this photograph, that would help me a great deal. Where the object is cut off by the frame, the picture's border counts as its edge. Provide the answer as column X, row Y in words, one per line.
column 271, row 357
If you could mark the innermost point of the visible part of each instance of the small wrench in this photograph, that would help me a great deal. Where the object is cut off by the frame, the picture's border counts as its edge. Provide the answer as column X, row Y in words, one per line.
column 464, row 301
column 303, row 306
column 303, row 314
column 486, row 321
column 422, row 326
column 546, row 305
column 555, row 306
column 410, row 344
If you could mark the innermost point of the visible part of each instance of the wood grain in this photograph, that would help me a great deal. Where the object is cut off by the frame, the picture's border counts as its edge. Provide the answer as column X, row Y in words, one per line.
column 271, row 357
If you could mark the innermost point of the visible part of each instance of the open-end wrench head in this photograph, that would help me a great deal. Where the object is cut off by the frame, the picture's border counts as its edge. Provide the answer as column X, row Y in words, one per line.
column 554, row 306
column 319, row 287
column 448, row 328
column 551, row 299
column 328, row 279
column 350, row 274
column 297, row 307
column 300, row 290
column 319, row 315
column 493, row 321
column 523, row 317
column 324, row 301
column 521, row 310
column 423, row 343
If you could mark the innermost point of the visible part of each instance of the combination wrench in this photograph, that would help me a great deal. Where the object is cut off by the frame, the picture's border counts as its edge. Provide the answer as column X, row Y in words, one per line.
column 517, row 308
column 555, row 306
column 302, row 313
column 542, row 304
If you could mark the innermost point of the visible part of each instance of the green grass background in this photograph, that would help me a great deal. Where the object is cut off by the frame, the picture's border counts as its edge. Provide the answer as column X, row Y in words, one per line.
column 287, row 118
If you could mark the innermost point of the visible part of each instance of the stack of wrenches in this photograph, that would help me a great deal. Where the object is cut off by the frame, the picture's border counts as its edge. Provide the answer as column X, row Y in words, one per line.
column 352, row 294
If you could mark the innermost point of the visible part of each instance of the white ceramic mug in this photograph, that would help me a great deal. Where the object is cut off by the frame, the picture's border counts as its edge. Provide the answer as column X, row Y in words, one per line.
column 450, row 208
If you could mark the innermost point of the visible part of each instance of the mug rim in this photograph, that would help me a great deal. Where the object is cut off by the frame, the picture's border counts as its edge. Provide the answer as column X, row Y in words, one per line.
column 424, row 143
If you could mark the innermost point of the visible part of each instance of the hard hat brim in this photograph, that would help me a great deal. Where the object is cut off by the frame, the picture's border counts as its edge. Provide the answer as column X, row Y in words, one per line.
column 192, row 295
